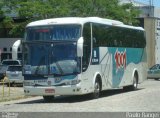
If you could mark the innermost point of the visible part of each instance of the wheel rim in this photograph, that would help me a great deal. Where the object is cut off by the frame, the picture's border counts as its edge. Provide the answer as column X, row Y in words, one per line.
column 135, row 82
column 97, row 89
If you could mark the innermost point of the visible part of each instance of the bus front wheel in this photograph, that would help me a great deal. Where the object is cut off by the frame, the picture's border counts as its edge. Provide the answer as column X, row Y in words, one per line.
column 48, row 98
column 97, row 90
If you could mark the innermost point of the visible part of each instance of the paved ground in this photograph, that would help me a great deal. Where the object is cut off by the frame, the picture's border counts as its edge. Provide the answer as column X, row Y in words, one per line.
column 146, row 98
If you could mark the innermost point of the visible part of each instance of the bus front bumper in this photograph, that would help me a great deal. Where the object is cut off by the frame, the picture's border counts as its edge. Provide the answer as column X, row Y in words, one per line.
column 52, row 90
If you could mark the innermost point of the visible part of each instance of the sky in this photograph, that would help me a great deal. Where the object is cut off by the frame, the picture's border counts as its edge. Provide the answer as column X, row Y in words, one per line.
column 156, row 3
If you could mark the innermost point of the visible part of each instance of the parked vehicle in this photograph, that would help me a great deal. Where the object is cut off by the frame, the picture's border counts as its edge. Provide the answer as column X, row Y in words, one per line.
column 11, row 62
column 154, row 72
column 14, row 74
column 3, row 69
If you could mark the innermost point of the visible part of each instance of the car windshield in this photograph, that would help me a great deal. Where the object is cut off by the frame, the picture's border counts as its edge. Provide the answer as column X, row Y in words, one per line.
column 155, row 67
column 15, row 68
column 3, row 68
column 10, row 62
column 54, row 32
column 51, row 58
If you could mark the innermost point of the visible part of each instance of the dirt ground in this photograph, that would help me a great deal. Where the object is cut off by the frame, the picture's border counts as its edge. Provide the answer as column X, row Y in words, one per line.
column 11, row 93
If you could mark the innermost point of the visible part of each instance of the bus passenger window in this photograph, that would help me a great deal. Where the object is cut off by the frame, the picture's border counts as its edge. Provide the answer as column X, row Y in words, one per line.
column 115, row 42
column 86, row 46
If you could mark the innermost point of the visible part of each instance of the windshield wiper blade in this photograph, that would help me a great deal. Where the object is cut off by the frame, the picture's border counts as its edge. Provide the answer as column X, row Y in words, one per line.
column 38, row 67
column 59, row 67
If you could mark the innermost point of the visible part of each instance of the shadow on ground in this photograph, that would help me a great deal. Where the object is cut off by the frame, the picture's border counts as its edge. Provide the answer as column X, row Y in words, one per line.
column 79, row 98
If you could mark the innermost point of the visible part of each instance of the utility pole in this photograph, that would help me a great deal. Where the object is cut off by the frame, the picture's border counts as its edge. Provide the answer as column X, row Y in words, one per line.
column 151, row 2
column 151, row 7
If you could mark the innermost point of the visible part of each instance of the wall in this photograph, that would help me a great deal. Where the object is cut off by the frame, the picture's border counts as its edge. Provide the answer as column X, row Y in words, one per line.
column 152, row 27
column 149, row 26
column 6, row 47
column 157, row 43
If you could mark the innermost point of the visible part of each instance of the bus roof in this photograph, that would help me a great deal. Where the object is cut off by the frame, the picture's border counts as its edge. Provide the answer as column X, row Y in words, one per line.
column 80, row 20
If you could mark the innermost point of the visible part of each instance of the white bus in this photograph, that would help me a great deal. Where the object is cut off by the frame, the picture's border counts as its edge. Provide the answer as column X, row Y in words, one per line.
column 75, row 56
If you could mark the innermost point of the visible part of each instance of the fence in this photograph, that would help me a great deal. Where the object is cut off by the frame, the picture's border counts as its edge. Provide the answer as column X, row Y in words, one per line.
column 8, row 92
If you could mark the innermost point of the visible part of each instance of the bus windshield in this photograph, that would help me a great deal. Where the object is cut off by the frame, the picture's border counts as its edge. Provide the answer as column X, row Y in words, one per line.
column 51, row 58
column 53, row 32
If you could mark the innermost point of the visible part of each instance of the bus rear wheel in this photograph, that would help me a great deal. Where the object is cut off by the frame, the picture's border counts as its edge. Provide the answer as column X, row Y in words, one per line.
column 48, row 98
column 134, row 85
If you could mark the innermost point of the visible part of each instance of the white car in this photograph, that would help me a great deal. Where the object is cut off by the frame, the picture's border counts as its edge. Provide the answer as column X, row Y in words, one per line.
column 14, row 74
column 154, row 72
column 11, row 62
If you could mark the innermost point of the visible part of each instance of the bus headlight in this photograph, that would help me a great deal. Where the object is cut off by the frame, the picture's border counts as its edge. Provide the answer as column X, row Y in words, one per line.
column 28, row 83
column 73, row 82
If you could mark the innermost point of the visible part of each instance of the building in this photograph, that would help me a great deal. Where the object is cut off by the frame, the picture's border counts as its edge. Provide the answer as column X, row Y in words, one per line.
column 135, row 3
column 6, row 48
column 150, row 20
column 152, row 27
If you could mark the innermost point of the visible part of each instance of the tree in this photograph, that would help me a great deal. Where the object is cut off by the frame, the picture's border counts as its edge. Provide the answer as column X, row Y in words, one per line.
column 1, row 11
column 32, row 10
column 6, row 22
column 106, row 9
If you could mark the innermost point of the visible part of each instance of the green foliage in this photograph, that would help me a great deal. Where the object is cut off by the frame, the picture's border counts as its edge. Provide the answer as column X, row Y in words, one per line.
column 1, row 11
column 18, row 29
column 32, row 10
column 105, row 9
column 7, row 22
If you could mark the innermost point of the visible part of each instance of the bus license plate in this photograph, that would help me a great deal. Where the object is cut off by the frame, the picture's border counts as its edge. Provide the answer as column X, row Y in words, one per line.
column 49, row 91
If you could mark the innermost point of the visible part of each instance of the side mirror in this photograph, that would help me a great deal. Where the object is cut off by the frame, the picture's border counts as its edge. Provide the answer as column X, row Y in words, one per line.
column 80, row 47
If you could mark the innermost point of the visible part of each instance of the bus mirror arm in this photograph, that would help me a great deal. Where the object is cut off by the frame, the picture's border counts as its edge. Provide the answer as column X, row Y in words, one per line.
column 80, row 47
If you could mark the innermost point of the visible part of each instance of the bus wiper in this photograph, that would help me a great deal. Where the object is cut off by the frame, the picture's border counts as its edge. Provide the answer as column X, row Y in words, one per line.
column 38, row 67
column 59, row 67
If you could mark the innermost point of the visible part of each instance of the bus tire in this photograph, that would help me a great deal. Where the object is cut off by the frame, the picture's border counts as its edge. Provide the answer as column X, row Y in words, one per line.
column 135, row 82
column 156, row 78
column 97, row 89
column 48, row 98
column 134, row 85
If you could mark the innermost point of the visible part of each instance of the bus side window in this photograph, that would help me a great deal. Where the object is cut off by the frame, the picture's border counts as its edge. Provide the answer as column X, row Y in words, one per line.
column 115, row 42
column 121, row 43
column 94, row 41
column 86, row 46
